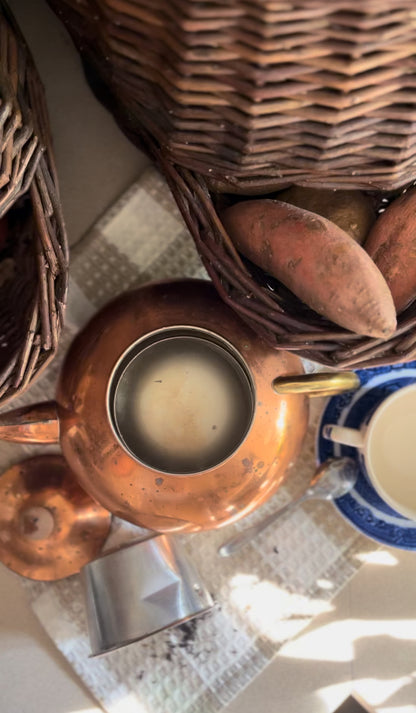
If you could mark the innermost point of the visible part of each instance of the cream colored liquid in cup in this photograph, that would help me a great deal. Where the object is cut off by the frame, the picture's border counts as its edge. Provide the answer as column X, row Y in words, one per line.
column 391, row 449
column 185, row 406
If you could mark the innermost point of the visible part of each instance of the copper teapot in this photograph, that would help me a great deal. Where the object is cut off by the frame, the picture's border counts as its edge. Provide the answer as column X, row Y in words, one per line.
column 166, row 413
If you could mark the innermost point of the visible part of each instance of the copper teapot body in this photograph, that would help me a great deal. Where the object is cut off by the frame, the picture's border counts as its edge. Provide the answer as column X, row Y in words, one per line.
column 131, row 483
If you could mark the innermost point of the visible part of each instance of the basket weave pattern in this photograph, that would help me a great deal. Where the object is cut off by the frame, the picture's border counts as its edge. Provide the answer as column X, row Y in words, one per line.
column 32, row 299
column 247, row 97
column 258, row 93
column 283, row 323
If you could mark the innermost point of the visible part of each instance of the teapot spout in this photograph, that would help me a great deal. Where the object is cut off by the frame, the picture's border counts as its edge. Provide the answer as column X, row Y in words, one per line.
column 38, row 423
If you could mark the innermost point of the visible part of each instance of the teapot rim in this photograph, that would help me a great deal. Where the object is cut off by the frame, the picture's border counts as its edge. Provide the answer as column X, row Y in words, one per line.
column 148, row 340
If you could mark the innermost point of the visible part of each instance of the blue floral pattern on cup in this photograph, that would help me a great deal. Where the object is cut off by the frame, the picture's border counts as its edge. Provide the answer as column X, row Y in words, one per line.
column 363, row 507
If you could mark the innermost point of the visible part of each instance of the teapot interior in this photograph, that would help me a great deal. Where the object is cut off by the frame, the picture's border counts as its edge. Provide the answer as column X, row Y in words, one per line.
column 181, row 400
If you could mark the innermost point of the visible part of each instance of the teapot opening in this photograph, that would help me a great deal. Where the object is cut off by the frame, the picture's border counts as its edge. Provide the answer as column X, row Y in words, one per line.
column 181, row 400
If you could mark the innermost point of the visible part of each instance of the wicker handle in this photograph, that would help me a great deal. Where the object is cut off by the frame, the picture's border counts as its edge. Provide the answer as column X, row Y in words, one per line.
column 322, row 384
column 38, row 423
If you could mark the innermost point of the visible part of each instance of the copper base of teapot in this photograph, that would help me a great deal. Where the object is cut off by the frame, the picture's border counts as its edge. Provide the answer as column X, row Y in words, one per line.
column 49, row 527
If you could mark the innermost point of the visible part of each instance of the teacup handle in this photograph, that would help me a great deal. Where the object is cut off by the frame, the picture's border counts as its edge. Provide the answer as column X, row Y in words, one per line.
column 342, row 434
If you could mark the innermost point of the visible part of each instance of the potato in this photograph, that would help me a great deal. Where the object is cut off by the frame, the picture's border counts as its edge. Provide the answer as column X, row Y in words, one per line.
column 350, row 210
column 315, row 259
column 392, row 245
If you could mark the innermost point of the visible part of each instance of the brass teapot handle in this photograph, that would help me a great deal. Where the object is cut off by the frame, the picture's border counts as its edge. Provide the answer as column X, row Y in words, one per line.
column 319, row 384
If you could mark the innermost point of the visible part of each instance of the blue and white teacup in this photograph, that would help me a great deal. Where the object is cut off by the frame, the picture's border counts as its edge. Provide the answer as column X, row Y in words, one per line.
column 387, row 445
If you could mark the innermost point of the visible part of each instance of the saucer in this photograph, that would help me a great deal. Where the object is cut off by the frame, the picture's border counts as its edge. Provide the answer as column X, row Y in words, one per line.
column 363, row 507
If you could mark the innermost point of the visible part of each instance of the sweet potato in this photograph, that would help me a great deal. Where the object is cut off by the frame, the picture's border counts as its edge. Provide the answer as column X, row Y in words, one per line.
column 317, row 261
column 350, row 210
column 392, row 245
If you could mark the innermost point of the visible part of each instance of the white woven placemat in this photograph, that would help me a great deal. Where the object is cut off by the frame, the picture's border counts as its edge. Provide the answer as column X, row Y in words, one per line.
column 266, row 594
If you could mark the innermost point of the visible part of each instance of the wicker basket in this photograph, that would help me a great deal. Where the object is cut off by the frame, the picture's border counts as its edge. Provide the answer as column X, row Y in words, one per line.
column 247, row 97
column 33, row 247
column 271, row 310
column 258, row 93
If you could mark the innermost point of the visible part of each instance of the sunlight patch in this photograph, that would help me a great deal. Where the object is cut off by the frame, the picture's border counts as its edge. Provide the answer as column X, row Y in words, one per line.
column 335, row 641
column 332, row 642
column 377, row 557
column 334, row 695
column 324, row 583
column 270, row 609
column 375, row 691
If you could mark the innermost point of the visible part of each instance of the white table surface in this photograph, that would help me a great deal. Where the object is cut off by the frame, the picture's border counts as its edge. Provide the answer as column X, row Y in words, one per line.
column 366, row 643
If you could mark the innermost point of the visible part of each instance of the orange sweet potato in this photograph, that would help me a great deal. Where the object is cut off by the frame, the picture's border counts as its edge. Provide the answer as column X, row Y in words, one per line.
column 392, row 245
column 317, row 261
